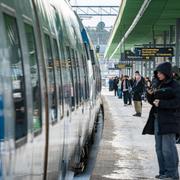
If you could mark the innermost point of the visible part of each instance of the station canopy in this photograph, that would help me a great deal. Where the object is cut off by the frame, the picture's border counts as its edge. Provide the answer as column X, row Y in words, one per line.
column 138, row 20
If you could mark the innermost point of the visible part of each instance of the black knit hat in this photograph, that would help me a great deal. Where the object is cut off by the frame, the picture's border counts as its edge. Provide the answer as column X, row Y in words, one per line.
column 165, row 68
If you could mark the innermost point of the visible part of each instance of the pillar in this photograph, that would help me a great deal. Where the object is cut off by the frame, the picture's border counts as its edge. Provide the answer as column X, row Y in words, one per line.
column 177, row 40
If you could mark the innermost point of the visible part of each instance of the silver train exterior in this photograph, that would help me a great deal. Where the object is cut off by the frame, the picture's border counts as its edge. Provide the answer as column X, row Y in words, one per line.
column 50, row 88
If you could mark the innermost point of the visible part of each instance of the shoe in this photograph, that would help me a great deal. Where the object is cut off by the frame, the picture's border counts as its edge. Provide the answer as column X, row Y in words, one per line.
column 165, row 177
column 137, row 114
column 125, row 104
column 157, row 176
column 160, row 176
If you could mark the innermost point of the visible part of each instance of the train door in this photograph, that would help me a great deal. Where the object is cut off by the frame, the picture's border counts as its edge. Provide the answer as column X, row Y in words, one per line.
column 35, row 79
column 36, row 125
column 56, row 128
column 57, row 133
column 67, row 109
column 52, row 160
column 64, row 89
column 86, row 110
column 44, row 91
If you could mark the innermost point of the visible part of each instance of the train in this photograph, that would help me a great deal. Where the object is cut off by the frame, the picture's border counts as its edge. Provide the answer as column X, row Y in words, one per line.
column 50, row 90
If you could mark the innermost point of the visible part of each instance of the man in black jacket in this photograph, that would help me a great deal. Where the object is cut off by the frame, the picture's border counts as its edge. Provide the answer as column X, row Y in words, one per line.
column 125, row 86
column 137, row 90
column 164, row 121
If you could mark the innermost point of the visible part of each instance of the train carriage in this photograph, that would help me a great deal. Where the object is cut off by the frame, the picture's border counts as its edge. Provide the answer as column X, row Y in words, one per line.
column 50, row 90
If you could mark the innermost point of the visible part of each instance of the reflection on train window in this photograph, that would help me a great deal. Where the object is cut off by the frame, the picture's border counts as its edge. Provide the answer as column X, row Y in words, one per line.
column 86, row 95
column 17, row 76
column 87, row 50
column 78, row 76
column 65, row 76
column 75, row 76
column 35, row 83
column 51, row 80
column 71, row 75
column 57, row 62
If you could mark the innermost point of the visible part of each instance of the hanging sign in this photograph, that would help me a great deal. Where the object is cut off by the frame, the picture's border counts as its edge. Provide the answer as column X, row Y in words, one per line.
column 154, row 52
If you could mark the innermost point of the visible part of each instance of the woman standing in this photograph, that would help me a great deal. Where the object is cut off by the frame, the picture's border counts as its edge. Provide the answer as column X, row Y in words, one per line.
column 164, row 121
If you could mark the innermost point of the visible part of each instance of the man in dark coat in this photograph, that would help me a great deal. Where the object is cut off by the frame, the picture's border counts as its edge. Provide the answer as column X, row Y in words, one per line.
column 137, row 90
column 125, row 86
column 164, row 120
column 111, row 84
column 115, row 85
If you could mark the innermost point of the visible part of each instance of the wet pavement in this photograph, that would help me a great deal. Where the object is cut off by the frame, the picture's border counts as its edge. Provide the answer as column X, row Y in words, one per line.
column 124, row 153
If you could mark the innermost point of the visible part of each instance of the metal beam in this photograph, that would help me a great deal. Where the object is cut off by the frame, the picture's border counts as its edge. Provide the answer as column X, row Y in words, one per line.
column 96, row 10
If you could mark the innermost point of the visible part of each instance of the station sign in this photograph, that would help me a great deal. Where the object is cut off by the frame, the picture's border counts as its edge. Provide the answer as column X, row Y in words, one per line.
column 128, row 54
column 154, row 52
column 131, row 56
column 120, row 66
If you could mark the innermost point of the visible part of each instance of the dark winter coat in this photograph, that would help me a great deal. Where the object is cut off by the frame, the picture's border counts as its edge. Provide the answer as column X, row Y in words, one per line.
column 115, row 83
column 168, row 111
column 127, row 85
column 137, row 90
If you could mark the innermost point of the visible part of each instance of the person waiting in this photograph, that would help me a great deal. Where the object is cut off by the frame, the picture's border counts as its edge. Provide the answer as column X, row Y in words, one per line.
column 125, row 85
column 138, row 89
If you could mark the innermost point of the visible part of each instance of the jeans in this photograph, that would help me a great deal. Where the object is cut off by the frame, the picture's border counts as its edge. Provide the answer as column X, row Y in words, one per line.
column 129, row 97
column 119, row 93
column 166, row 151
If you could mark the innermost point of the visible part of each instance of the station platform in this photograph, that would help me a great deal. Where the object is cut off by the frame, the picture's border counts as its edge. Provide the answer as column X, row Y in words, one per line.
column 124, row 153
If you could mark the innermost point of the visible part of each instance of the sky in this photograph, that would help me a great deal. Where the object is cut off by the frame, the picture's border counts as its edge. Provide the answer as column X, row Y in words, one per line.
column 92, row 22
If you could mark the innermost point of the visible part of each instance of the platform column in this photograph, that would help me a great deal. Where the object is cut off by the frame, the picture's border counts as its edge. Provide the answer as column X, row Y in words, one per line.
column 177, row 40
column 164, row 41
column 171, row 34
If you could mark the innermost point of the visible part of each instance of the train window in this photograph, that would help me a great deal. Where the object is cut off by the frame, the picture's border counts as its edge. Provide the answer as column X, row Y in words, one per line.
column 17, row 76
column 35, row 82
column 71, row 75
column 57, row 60
column 86, row 82
column 92, row 57
column 87, row 50
column 78, row 76
column 75, row 77
column 51, row 80
column 93, row 62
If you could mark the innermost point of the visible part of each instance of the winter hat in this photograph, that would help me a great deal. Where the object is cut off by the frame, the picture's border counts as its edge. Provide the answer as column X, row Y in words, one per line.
column 165, row 68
